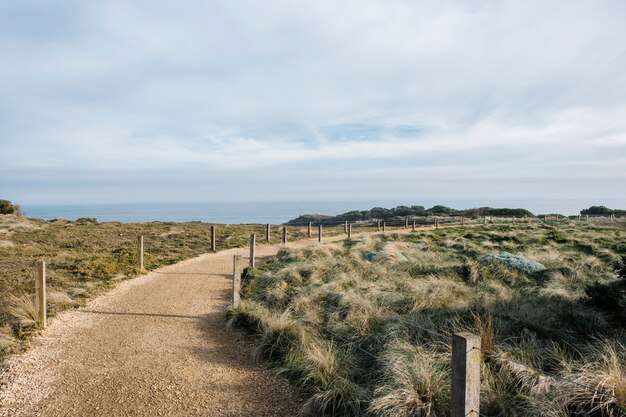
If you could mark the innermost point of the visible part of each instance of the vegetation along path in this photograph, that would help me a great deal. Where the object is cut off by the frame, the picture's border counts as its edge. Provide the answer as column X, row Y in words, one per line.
column 154, row 346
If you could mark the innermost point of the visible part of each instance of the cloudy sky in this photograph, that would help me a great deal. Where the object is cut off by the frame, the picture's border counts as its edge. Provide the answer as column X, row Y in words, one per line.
column 150, row 101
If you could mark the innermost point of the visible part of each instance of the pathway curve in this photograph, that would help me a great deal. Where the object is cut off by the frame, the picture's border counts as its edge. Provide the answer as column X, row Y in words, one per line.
column 155, row 345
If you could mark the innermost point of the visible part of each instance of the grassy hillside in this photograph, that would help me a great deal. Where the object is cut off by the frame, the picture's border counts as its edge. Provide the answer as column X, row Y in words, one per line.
column 364, row 327
column 85, row 258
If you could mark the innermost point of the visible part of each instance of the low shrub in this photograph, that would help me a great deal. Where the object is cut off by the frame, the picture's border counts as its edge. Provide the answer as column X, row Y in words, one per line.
column 6, row 207
column 518, row 263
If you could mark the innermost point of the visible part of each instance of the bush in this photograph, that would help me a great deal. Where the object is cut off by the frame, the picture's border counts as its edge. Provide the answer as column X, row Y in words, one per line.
column 610, row 297
column 601, row 211
column 6, row 207
column 518, row 263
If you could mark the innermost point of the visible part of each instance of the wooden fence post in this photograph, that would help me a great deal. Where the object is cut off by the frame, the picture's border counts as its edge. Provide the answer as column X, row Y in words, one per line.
column 484, row 219
column 462, row 221
column 267, row 232
column 319, row 232
column 349, row 230
column 40, row 294
column 252, row 249
column 436, row 223
column 378, row 225
column 309, row 231
column 406, row 223
column 213, row 238
column 236, row 280
column 587, row 217
column 345, row 227
column 466, row 357
column 284, row 237
column 140, row 253
column 384, row 226
column 413, row 225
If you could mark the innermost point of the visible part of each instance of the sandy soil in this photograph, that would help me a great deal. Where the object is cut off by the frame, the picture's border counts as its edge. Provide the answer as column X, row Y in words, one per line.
column 154, row 346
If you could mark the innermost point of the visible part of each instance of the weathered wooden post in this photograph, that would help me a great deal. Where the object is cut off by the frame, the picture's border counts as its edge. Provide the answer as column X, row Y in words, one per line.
column 378, row 225
column 140, row 253
column 284, row 236
column 466, row 357
column 252, row 249
column 349, row 230
column 436, row 223
column 213, row 238
column 309, row 231
column 587, row 217
column 484, row 219
column 268, row 229
column 345, row 227
column 40, row 294
column 236, row 280
column 406, row 223
column 413, row 225
column 384, row 226
column 462, row 221
column 319, row 232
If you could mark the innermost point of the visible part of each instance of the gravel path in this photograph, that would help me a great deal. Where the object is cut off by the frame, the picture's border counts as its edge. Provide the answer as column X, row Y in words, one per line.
column 155, row 345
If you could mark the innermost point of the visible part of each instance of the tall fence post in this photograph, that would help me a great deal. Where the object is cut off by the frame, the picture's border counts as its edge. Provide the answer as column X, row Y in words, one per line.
column 236, row 280
column 378, row 225
column 140, row 253
column 319, row 233
column 413, row 226
column 349, row 230
column 252, row 249
column 40, row 294
column 462, row 221
column 284, row 237
column 384, row 226
column 587, row 217
column 345, row 227
column 406, row 223
column 309, row 231
column 436, row 223
column 213, row 238
column 466, row 357
column 268, row 229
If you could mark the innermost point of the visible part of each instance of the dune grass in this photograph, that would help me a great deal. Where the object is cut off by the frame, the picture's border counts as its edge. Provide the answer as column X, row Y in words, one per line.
column 364, row 327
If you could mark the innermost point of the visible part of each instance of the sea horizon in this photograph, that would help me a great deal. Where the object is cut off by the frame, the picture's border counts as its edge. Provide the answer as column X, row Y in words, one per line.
column 277, row 212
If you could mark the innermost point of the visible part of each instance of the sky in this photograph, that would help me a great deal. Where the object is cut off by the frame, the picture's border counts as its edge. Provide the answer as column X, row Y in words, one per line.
column 244, row 100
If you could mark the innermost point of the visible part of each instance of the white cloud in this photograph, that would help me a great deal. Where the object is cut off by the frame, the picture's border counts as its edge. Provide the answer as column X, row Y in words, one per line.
column 142, row 86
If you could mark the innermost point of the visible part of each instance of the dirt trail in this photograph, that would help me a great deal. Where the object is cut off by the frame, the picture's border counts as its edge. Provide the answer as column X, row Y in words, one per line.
column 154, row 346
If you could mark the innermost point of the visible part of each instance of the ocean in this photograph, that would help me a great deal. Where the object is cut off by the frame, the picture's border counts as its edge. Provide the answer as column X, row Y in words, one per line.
column 281, row 212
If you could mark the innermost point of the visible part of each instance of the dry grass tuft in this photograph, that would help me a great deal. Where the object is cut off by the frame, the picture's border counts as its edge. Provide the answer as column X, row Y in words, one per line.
column 23, row 309
column 600, row 385
column 415, row 383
